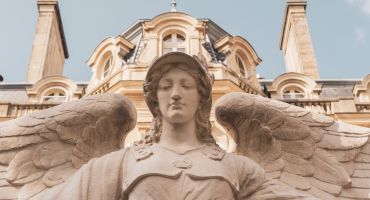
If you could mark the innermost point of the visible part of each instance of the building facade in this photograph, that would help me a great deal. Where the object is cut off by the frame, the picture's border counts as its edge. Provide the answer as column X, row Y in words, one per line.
column 119, row 65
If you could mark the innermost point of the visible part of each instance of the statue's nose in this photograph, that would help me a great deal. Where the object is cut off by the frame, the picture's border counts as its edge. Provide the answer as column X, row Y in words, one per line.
column 176, row 97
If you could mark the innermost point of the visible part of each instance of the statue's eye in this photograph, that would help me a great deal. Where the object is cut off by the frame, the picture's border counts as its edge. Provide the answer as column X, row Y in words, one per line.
column 164, row 86
column 188, row 85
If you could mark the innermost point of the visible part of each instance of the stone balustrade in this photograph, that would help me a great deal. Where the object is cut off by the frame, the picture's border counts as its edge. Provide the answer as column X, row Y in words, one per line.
column 315, row 105
column 363, row 107
column 9, row 110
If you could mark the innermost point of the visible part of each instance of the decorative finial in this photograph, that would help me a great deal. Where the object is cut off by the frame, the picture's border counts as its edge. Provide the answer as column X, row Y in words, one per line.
column 173, row 6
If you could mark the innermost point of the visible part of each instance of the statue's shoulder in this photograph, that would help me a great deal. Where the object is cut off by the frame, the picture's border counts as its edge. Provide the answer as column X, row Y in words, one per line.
column 141, row 150
column 214, row 152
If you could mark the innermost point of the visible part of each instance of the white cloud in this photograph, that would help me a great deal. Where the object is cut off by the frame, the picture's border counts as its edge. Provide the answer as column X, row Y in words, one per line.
column 360, row 34
column 363, row 4
column 352, row 2
column 366, row 7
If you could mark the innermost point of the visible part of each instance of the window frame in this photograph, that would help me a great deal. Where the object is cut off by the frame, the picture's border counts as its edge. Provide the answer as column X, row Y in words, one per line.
column 50, row 94
column 174, row 44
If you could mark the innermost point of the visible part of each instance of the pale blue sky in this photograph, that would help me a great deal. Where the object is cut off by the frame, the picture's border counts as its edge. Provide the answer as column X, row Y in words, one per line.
column 340, row 31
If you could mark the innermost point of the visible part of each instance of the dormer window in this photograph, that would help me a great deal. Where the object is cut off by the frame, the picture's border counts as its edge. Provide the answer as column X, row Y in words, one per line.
column 173, row 42
column 54, row 96
column 107, row 67
column 293, row 94
column 241, row 66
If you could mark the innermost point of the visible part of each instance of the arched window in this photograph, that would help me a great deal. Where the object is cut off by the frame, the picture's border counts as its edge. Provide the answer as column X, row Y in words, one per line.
column 293, row 94
column 54, row 96
column 173, row 42
column 241, row 66
column 107, row 67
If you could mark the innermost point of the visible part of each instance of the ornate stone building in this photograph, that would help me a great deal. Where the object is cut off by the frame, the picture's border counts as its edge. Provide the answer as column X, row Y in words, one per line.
column 119, row 65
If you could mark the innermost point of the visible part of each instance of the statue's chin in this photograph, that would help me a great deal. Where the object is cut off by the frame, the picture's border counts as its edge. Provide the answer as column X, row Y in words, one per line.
column 178, row 118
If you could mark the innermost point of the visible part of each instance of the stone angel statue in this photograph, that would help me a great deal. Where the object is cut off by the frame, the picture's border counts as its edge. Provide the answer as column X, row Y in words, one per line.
column 283, row 152
column 42, row 150
column 308, row 151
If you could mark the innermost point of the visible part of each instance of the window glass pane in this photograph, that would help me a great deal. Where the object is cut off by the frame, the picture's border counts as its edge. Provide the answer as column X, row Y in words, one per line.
column 180, row 38
column 107, row 67
column 241, row 66
column 173, row 43
column 286, row 96
column 293, row 94
column 167, row 38
column 54, row 97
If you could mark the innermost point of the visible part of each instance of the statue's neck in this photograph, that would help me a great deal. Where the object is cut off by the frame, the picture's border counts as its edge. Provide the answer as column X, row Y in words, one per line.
column 180, row 136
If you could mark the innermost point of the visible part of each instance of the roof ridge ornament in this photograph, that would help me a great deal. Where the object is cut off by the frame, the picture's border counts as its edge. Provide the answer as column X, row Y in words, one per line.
column 173, row 6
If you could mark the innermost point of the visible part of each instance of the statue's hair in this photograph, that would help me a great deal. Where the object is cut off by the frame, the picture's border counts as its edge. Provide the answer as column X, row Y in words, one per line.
column 203, row 125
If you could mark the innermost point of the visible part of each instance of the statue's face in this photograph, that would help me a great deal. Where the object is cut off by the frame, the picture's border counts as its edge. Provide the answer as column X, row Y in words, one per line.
column 178, row 96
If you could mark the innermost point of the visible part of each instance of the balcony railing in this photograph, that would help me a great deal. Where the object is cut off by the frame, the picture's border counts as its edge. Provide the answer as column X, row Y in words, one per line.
column 9, row 110
column 363, row 107
column 314, row 105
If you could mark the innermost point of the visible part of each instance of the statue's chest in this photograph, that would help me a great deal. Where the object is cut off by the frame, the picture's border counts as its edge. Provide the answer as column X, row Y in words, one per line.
column 155, row 168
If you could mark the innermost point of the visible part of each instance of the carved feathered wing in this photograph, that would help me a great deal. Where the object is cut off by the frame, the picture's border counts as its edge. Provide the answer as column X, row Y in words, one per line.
column 45, row 148
column 309, row 151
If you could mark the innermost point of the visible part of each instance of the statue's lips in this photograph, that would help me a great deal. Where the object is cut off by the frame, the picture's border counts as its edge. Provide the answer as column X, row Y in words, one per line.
column 176, row 106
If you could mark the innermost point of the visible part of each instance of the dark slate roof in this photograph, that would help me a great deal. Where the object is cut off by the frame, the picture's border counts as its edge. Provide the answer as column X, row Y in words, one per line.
column 330, row 88
column 14, row 93
column 337, row 88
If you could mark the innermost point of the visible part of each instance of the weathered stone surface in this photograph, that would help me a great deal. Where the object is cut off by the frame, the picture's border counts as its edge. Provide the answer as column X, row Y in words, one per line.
column 2, row 175
column 302, row 148
column 51, row 136
column 275, row 166
column 28, row 121
column 321, row 194
column 327, row 187
column 293, row 129
column 22, row 169
column 344, row 198
column 58, row 174
column 366, row 149
column 363, row 158
column 298, row 182
column 345, row 155
column 361, row 173
column 52, row 154
column 317, row 134
column 297, row 165
column 341, row 127
column 349, row 167
column 361, row 183
column 336, row 142
column 3, row 168
column 321, row 119
column 4, row 182
column 9, row 143
column 31, row 189
column 356, row 193
column 272, row 154
column 273, row 175
column 9, row 193
column 359, row 165
column 327, row 169
column 68, row 134
column 10, row 129
column 7, row 156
